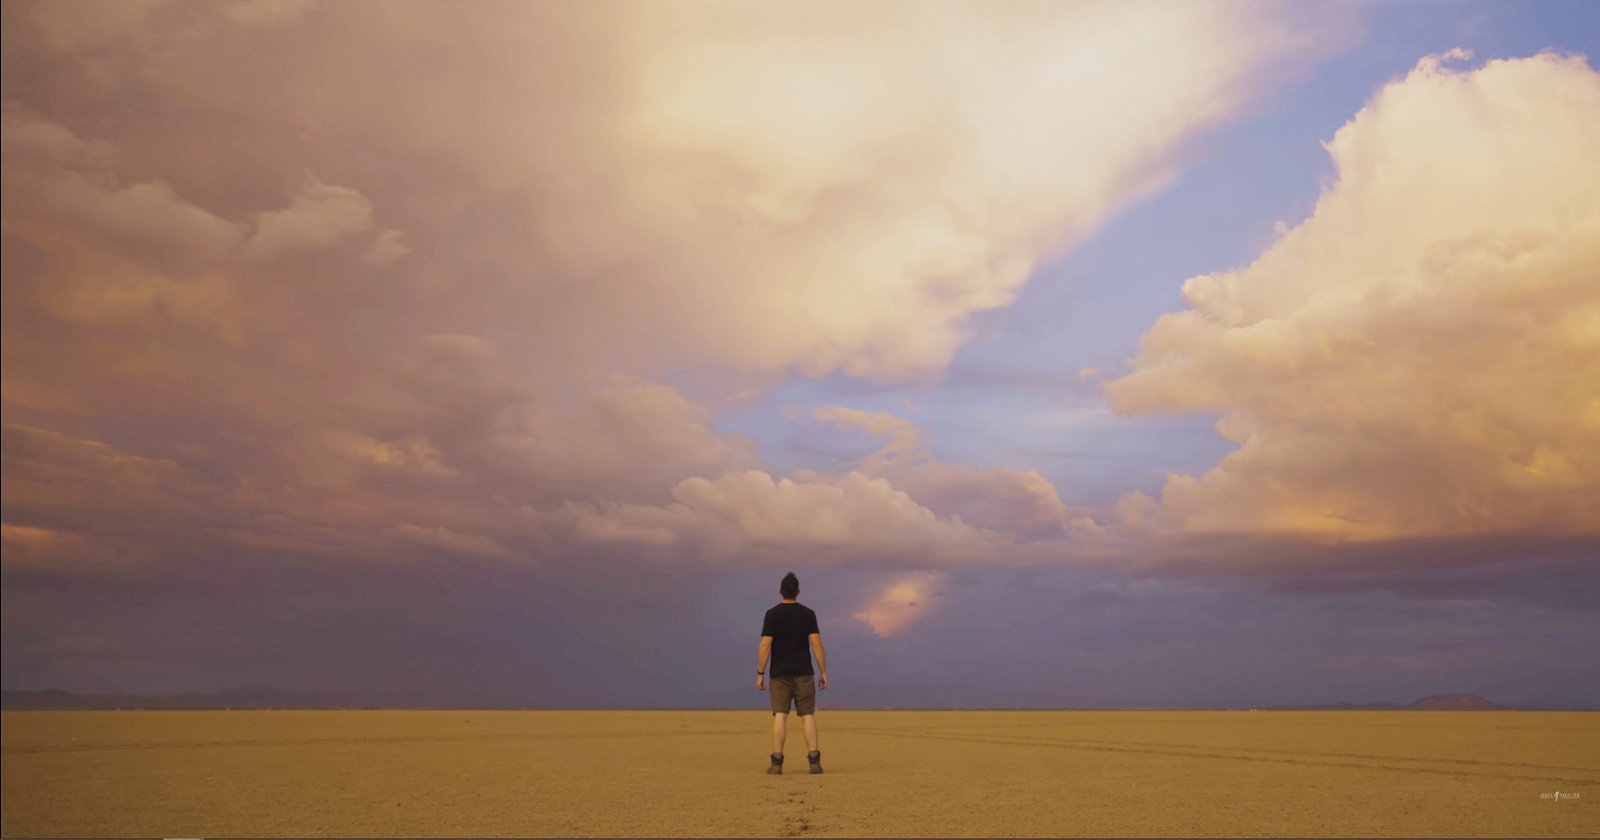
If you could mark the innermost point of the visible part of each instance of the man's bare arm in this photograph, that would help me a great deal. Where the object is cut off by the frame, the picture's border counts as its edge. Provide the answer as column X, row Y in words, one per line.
column 822, row 659
column 763, row 653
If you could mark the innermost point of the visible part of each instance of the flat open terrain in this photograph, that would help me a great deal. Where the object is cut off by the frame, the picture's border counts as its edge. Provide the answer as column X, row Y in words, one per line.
column 535, row 773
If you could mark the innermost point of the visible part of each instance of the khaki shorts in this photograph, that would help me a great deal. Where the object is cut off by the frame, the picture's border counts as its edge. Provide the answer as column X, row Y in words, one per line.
column 801, row 690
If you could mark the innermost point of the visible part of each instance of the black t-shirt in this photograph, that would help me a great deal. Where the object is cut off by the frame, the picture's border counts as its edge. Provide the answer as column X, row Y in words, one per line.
column 790, row 626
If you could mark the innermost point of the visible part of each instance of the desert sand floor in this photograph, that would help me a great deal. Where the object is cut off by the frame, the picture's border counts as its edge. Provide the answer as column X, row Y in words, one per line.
column 895, row 773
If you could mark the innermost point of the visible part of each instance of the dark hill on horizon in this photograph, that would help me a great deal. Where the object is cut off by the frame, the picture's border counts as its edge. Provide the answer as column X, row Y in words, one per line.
column 1431, row 703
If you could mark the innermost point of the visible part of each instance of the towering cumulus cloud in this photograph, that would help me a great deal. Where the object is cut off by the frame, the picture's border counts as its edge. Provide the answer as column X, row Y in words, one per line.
column 843, row 197
column 1421, row 356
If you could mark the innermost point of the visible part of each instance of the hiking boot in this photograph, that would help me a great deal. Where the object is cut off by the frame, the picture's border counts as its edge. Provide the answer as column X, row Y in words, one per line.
column 816, row 761
column 777, row 766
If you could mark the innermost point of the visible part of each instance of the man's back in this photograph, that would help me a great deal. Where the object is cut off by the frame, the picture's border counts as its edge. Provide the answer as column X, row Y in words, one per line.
column 790, row 625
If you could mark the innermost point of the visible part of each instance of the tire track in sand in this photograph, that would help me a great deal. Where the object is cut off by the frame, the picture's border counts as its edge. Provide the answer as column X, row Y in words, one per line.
column 945, row 730
column 1185, row 751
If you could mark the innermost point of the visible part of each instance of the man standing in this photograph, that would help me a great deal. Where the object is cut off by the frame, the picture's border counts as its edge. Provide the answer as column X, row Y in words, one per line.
column 784, row 634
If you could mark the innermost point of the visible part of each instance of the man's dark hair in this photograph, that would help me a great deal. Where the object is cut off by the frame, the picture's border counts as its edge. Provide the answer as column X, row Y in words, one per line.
column 790, row 586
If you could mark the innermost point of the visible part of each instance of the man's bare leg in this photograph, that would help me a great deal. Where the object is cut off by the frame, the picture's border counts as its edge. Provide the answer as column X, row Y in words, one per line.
column 780, row 730
column 809, row 725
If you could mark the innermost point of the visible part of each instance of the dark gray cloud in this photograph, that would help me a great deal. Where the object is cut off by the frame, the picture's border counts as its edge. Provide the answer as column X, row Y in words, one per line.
column 460, row 632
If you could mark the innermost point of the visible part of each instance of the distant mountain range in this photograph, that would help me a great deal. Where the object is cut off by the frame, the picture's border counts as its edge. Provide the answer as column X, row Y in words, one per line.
column 1434, row 703
column 267, row 697
column 244, row 697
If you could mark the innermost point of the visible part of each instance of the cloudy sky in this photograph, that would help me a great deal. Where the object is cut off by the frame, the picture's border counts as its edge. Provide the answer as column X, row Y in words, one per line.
column 1070, row 353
